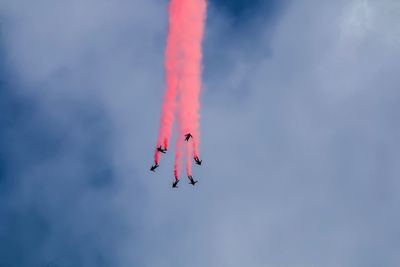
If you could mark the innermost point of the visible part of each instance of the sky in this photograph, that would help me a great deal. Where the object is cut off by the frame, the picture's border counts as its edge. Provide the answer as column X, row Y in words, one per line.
column 299, row 136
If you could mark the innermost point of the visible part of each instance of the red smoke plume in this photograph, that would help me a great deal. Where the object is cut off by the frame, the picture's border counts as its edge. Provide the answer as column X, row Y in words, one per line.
column 183, row 79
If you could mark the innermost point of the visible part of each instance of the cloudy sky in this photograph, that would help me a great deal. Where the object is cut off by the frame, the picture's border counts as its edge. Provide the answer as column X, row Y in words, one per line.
column 299, row 123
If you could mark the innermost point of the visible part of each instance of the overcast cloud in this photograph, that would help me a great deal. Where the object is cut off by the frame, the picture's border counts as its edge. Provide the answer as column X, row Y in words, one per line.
column 299, row 125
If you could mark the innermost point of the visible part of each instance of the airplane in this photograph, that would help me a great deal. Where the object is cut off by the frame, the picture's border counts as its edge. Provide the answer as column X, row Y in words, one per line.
column 192, row 182
column 187, row 136
column 175, row 184
column 160, row 149
column 198, row 161
column 155, row 166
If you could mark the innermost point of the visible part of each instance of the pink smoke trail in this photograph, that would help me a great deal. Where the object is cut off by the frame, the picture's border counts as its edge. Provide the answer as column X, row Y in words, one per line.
column 178, row 157
column 193, row 18
column 183, row 79
column 172, row 72
column 188, row 155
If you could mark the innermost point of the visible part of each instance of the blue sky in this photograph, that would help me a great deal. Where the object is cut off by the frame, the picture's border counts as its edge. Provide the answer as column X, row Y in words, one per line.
column 299, row 126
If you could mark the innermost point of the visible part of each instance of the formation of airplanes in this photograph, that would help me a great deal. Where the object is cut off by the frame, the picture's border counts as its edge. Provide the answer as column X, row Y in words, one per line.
column 164, row 150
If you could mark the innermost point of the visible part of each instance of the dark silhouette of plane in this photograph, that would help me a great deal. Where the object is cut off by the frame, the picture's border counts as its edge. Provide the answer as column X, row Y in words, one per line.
column 175, row 184
column 160, row 149
column 187, row 136
column 155, row 166
column 198, row 161
column 192, row 181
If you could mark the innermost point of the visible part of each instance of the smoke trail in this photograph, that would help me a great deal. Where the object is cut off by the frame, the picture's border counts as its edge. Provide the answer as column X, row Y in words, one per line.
column 188, row 155
column 171, row 73
column 183, row 79
column 193, row 28
column 178, row 158
column 192, row 32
